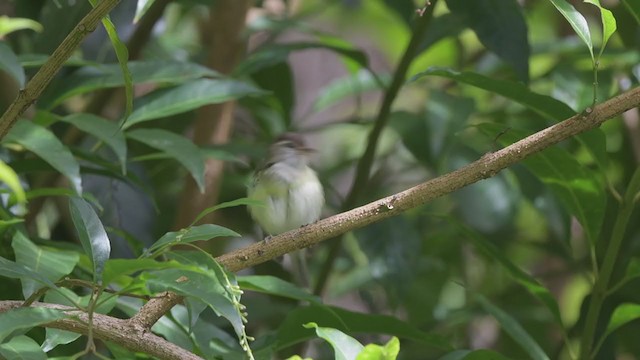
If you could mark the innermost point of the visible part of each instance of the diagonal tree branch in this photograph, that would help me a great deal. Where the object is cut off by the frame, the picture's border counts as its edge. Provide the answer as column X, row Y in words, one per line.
column 134, row 333
column 124, row 332
column 43, row 77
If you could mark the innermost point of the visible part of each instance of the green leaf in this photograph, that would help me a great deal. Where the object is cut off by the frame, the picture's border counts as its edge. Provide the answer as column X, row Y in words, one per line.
column 10, row 178
column 141, row 9
column 634, row 8
column 102, row 76
column 22, row 347
column 103, row 129
column 25, row 318
column 228, row 204
column 389, row 351
column 9, row 63
column 14, row 270
column 191, row 234
column 350, row 322
column 351, row 85
column 524, row 279
column 576, row 20
column 9, row 25
column 189, row 96
column 344, row 346
column 622, row 315
column 46, row 145
column 51, row 264
column 544, row 105
column 93, row 237
column 482, row 354
column 548, row 107
column 501, row 27
column 114, row 268
column 276, row 53
column 205, row 284
column 176, row 146
column 275, row 286
column 515, row 330
column 608, row 23
column 577, row 187
column 122, row 53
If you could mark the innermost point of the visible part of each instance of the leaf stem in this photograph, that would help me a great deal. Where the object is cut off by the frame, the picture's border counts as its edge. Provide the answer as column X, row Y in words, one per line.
column 601, row 285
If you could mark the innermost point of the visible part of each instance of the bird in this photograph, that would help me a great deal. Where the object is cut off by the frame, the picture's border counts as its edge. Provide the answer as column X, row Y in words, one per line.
column 286, row 190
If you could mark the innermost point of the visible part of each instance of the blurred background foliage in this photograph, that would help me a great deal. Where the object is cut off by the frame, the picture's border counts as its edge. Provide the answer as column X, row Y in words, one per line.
column 461, row 268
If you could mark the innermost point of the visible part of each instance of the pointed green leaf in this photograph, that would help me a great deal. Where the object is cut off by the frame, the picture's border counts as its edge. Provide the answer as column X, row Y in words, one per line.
column 22, row 347
column 622, row 315
column 189, row 96
column 275, row 286
column 224, row 205
column 515, row 330
column 9, row 25
column 26, row 318
column 9, row 62
column 500, row 26
column 115, row 268
column 203, row 284
column 176, row 146
column 92, row 77
column 389, row 351
column 351, row 322
column 122, row 54
column 103, row 129
column 576, row 20
column 193, row 233
column 141, row 9
column 46, row 145
column 634, row 8
column 608, row 23
column 344, row 346
column 10, row 178
column 51, row 264
column 93, row 237
column 532, row 285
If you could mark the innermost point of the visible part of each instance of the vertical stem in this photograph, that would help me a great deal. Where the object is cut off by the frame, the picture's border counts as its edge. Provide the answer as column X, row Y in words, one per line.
column 611, row 256
column 365, row 163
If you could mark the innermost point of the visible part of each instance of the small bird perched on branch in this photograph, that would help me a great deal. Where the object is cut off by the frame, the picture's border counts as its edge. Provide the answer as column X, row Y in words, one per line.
column 289, row 189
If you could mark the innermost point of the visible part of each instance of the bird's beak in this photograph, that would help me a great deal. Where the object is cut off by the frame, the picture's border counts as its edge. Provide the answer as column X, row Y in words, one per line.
column 307, row 150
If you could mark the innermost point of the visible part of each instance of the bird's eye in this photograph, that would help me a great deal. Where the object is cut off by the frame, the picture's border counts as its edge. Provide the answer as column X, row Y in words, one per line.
column 289, row 144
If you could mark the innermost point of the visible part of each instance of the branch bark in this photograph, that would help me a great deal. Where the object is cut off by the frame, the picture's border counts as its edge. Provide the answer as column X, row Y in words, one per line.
column 43, row 77
column 127, row 333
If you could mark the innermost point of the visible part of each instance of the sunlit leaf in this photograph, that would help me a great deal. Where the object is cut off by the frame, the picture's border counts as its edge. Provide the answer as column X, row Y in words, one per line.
column 344, row 346
column 576, row 20
column 45, row 144
column 9, row 25
column 608, row 23
column 622, row 315
column 141, row 9
column 176, row 146
column 10, row 178
column 389, row 351
column 93, row 237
